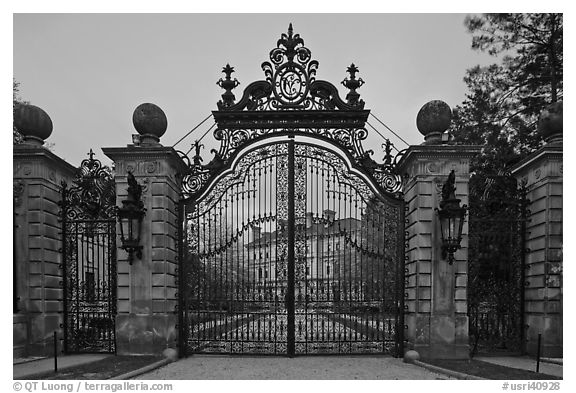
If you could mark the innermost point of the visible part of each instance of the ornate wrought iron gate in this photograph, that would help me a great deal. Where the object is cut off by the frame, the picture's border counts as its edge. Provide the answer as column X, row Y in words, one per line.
column 89, row 259
column 292, row 236
column 498, row 213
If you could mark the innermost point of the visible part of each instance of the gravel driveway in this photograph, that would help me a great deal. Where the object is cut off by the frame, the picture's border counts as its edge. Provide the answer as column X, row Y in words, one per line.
column 201, row 367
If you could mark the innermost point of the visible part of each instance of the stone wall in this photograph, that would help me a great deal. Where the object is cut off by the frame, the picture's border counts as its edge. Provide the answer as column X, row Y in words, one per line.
column 541, row 173
column 37, row 241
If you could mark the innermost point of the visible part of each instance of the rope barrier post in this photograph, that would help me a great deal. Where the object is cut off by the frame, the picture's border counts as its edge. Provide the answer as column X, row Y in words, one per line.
column 538, row 353
column 55, row 352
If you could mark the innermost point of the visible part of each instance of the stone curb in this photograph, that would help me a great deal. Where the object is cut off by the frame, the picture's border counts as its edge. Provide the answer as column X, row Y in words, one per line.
column 142, row 370
column 445, row 371
column 553, row 361
column 28, row 360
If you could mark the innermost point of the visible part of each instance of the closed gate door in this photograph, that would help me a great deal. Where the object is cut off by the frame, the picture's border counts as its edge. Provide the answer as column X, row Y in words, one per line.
column 89, row 260
column 347, row 247
column 292, row 253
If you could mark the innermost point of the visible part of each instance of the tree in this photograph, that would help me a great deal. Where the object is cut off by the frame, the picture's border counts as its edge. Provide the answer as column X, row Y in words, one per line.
column 504, row 100
column 17, row 138
column 500, row 113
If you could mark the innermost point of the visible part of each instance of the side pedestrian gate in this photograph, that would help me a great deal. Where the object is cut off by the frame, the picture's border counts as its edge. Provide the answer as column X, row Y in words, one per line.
column 292, row 236
column 89, row 259
column 496, row 271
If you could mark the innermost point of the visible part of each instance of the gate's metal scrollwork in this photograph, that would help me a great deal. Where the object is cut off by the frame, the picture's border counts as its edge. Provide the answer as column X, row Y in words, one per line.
column 291, row 247
column 290, row 102
column 88, row 214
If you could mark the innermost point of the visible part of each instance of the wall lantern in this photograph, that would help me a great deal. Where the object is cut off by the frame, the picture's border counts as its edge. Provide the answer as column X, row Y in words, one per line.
column 451, row 219
column 130, row 216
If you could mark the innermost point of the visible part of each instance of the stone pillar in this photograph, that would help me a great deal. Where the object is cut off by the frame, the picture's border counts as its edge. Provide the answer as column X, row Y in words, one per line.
column 147, row 289
column 435, row 317
column 37, row 178
column 541, row 173
column 436, row 312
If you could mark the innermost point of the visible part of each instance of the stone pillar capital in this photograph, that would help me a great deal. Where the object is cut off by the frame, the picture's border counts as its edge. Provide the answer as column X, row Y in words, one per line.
column 437, row 160
column 36, row 162
column 544, row 163
column 145, row 161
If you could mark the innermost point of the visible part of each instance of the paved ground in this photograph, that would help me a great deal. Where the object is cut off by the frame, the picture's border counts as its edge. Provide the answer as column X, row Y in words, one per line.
column 22, row 370
column 525, row 363
column 202, row 367
column 314, row 367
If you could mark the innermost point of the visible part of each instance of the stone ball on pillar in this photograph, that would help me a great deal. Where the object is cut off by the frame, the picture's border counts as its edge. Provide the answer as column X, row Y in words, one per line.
column 150, row 122
column 432, row 120
column 550, row 122
column 33, row 123
column 411, row 356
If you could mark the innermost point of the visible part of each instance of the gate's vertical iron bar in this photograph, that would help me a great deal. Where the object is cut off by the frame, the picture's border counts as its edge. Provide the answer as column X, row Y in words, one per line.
column 401, row 282
column 258, row 301
column 319, row 246
column 291, row 222
column 220, row 272
column 264, row 259
column 325, row 260
column 77, row 282
column 238, row 271
column 64, row 270
column 276, row 257
column 246, row 260
column 113, row 281
column 227, row 268
column 203, row 290
column 180, row 277
column 357, row 230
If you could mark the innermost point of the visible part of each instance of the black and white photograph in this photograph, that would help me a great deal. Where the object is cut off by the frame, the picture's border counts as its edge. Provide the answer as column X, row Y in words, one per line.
column 301, row 195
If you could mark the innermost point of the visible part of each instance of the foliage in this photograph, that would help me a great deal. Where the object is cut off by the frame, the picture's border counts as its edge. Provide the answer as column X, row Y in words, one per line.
column 17, row 138
column 504, row 99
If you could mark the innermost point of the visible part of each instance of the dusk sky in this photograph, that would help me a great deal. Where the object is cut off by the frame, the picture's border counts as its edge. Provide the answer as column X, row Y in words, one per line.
column 90, row 71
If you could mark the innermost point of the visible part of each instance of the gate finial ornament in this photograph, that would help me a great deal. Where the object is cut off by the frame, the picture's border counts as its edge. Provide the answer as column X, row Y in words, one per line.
column 353, row 96
column 227, row 84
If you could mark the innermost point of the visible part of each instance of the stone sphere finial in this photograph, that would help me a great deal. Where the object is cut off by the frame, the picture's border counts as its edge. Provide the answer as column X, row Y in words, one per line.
column 550, row 122
column 433, row 119
column 33, row 123
column 150, row 122
column 411, row 356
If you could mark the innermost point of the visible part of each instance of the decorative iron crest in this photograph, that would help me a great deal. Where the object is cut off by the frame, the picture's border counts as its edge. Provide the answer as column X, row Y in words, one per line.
column 290, row 101
column 93, row 195
column 290, row 83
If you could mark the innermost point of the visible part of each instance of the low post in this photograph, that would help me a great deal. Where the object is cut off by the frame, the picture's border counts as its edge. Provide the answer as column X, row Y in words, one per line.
column 55, row 352
column 538, row 353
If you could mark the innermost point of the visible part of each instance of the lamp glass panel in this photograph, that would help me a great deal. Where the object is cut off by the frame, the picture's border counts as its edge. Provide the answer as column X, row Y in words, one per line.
column 124, row 223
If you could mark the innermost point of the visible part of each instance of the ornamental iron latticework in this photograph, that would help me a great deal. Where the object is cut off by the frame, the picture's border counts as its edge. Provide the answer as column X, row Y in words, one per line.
column 93, row 194
column 290, row 101
column 88, row 216
column 496, row 264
